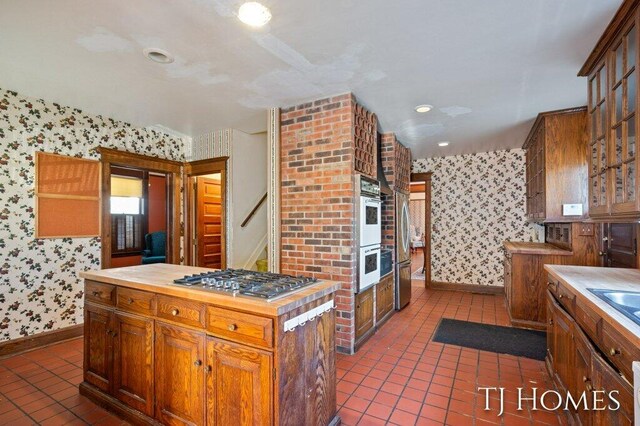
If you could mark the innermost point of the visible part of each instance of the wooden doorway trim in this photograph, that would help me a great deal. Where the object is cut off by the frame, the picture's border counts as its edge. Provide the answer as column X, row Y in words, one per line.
column 426, row 251
column 113, row 157
column 200, row 168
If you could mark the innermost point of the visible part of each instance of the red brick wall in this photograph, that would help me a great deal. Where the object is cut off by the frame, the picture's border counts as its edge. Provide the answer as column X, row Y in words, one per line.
column 318, row 199
column 388, row 205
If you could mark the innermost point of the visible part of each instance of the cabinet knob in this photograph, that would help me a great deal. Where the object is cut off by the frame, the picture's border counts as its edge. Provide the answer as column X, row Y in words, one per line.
column 232, row 327
column 614, row 351
column 560, row 296
column 109, row 331
column 96, row 293
column 175, row 312
column 198, row 363
column 208, row 369
column 589, row 386
column 600, row 253
column 550, row 322
column 130, row 300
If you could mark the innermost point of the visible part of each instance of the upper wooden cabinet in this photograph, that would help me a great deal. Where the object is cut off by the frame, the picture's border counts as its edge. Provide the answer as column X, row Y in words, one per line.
column 556, row 165
column 613, row 101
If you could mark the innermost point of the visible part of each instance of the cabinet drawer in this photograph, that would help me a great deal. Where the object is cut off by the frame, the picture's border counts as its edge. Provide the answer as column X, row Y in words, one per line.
column 99, row 292
column 240, row 327
column 566, row 298
column 141, row 302
column 588, row 320
column 180, row 310
column 619, row 350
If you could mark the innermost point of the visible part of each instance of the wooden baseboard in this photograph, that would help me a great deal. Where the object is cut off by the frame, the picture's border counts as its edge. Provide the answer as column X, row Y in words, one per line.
column 28, row 343
column 470, row 288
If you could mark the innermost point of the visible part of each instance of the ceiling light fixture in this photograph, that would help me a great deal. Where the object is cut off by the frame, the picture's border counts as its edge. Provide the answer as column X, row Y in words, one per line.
column 424, row 108
column 254, row 14
column 444, row 143
column 158, row 55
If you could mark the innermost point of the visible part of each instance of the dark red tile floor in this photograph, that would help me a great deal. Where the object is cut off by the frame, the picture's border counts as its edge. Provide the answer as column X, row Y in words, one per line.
column 398, row 377
column 41, row 387
column 401, row 377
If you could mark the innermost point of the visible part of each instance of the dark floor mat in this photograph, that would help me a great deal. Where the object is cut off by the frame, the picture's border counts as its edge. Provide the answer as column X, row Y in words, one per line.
column 493, row 338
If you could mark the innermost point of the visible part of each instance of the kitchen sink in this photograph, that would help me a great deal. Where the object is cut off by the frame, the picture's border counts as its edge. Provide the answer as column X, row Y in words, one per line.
column 625, row 302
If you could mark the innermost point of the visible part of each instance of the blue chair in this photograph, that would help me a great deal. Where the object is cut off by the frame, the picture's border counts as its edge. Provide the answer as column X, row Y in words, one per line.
column 155, row 243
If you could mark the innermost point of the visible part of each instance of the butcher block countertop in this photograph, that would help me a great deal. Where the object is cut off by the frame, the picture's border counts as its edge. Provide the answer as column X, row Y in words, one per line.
column 158, row 278
column 580, row 278
column 524, row 247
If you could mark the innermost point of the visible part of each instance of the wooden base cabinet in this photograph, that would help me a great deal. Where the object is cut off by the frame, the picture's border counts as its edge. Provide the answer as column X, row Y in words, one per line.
column 155, row 366
column 578, row 365
column 179, row 368
column 236, row 373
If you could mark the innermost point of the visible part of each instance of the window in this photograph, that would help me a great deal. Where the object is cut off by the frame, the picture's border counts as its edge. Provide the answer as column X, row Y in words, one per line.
column 128, row 219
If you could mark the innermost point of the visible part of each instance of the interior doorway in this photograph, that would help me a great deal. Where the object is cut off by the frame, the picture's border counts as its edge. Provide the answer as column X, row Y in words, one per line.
column 420, row 227
column 205, row 218
column 130, row 209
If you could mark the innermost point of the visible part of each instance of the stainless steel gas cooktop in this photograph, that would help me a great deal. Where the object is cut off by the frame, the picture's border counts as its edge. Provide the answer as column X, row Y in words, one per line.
column 263, row 285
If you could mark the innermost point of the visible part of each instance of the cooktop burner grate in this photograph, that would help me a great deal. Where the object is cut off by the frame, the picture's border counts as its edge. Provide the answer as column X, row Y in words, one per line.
column 264, row 285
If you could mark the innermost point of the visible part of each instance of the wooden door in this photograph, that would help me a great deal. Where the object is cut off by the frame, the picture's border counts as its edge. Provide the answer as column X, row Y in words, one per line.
column 209, row 223
column 133, row 361
column 583, row 381
column 239, row 384
column 384, row 297
column 551, row 338
column 622, row 143
column 98, row 346
column 598, row 155
column 179, row 374
column 606, row 380
column 619, row 245
column 364, row 312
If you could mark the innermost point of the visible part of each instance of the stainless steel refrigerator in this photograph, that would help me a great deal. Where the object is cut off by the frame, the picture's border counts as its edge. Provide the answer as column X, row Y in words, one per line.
column 403, row 253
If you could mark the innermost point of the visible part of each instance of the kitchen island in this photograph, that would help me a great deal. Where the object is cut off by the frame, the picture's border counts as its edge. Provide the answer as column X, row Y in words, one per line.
column 156, row 352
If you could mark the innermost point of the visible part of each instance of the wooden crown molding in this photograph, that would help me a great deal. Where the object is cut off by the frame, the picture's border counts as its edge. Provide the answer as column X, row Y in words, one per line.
column 610, row 33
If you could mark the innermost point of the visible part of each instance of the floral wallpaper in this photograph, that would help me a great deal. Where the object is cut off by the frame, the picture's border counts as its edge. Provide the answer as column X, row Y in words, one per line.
column 39, row 286
column 478, row 202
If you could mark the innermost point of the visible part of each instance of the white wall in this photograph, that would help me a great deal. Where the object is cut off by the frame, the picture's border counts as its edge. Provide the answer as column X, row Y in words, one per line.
column 249, row 185
column 246, row 185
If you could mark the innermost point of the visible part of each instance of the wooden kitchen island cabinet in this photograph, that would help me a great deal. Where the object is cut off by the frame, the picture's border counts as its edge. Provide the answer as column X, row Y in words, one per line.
column 157, row 353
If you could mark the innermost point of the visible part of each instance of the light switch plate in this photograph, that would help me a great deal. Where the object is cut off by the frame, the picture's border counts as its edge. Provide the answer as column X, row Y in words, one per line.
column 572, row 210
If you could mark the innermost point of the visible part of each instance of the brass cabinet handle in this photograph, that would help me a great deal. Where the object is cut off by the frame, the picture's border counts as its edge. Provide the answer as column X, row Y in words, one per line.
column 130, row 300
column 601, row 253
column 96, row 293
column 550, row 322
column 175, row 312
column 198, row 363
column 614, row 351
column 208, row 369
column 560, row 296
column 232, row 327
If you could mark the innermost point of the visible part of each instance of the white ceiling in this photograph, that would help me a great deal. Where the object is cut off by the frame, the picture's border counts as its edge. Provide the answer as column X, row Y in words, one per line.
column 487, row 66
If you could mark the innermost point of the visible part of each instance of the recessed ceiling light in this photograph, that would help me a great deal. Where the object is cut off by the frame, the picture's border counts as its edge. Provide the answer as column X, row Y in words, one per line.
column 443, row 143
column 254, row 14
column 158, row 55
column 424, row 108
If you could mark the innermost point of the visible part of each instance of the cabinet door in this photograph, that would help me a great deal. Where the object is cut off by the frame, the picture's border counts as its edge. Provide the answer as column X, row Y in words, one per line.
column 563, row 346
column 598, row 126
column 384, row 297
column 239, row 385
column 622, row 141
column 583, row 381
column 98, row 346
column 606, row 380
column 364, row 312
column 133, row 361
column 551, row 339
column 179, row 374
